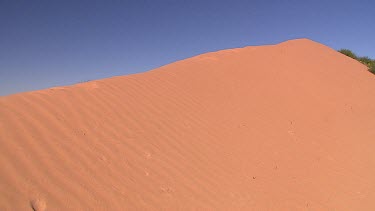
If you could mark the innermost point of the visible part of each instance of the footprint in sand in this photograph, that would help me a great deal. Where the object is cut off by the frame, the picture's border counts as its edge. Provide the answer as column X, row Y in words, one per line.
column 38, row 205
column 166, row 189
column 147, row 155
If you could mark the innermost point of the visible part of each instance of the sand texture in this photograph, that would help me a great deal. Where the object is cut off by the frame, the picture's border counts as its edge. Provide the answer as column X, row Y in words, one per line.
column 278, row 127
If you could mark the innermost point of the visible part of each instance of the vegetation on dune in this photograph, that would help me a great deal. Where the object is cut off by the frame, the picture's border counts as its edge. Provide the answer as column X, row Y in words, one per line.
column 349, row 53
column 370, row 63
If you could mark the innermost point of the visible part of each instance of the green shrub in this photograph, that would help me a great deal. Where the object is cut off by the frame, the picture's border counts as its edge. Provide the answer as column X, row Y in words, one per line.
column 372, row 66
column 370, row 63
column 365, row 60
column 349, row 53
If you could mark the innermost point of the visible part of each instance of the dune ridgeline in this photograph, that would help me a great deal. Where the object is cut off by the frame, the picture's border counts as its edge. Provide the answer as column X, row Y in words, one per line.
column 278, row 127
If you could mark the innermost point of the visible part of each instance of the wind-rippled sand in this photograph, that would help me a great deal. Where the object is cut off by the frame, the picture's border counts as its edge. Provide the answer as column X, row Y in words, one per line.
column 279, row 127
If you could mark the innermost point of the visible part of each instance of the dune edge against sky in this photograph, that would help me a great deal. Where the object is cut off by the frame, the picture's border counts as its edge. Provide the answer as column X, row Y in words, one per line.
column 278, row 127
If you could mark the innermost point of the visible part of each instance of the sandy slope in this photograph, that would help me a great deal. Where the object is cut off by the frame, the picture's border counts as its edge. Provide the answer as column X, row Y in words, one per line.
column 280, row 127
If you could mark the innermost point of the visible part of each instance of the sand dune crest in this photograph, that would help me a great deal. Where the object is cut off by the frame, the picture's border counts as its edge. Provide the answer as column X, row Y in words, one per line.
column 277, row 127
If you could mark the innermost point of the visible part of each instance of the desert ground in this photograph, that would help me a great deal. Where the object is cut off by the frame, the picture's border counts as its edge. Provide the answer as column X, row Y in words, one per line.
column 289, row 126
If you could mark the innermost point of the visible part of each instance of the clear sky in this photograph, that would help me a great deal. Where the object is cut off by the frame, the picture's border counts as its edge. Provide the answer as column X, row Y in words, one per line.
column 61, row 42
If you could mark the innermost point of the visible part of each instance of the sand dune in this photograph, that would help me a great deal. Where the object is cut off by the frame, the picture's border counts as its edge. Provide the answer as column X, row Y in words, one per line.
column 279, row 127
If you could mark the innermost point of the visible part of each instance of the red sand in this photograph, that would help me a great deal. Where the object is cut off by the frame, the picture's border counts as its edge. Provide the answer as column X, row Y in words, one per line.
column 280, row 127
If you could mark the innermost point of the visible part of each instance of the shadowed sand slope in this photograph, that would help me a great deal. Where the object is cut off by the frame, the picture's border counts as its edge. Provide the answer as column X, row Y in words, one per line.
column 279, row 127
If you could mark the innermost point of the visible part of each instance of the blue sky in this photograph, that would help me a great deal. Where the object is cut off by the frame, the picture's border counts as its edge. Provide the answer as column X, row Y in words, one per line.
column 53, row 43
